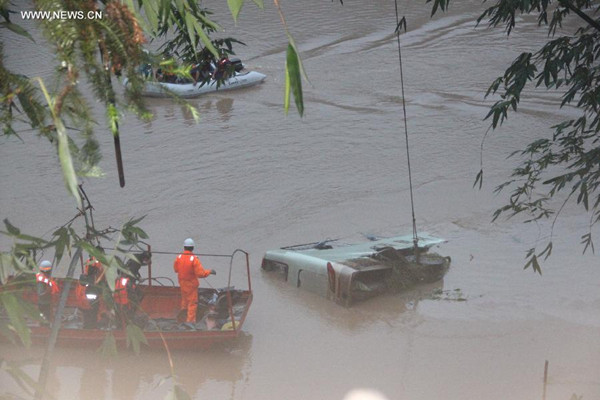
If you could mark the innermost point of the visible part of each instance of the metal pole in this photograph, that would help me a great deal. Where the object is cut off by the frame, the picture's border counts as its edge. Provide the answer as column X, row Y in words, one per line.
column 150, row 266
column 545, row 379
column 248, row 273
column 412, row 201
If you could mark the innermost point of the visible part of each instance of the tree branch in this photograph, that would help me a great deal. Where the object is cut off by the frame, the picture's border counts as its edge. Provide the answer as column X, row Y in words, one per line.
column 581, row 14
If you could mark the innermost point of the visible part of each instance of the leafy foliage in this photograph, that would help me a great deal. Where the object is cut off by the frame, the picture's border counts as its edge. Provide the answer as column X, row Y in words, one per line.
column 135, row 337
column 293, row 70
column 19, row 265
column 21, row 378
column 177, row 392
column 563, row 168
column 100, row 50
column 293, row 81
column 109, row 345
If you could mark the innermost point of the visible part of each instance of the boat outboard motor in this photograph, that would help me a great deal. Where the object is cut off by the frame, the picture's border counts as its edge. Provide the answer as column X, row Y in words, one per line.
column 237, row 64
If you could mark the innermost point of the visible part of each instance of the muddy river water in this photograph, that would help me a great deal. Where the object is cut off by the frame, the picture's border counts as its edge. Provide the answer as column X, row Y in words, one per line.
column 249, row 177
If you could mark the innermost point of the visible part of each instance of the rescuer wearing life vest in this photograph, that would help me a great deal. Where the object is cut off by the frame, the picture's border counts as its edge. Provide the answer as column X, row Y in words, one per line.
column 125, row 297
column 189, row 269
column 222, row 68
column 88, row 292
column 94, row 268
column 46, row 289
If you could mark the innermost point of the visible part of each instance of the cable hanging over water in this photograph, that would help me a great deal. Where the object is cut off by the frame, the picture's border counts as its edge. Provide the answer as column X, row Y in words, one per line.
column 412, row 202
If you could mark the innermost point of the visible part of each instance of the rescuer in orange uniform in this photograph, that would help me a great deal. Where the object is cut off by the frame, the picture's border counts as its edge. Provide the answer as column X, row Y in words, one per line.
column 125, row 297
column 189, row 269
column 47, row 289
column 89, row 291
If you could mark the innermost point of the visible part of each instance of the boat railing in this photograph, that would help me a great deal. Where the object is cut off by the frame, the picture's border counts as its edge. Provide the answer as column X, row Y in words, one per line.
column 229, row 300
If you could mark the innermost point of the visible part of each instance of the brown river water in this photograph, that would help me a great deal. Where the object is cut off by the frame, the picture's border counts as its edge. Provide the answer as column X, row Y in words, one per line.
column 249, row 177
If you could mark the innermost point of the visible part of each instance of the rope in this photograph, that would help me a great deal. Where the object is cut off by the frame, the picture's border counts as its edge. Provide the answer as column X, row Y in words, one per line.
column 412, row 202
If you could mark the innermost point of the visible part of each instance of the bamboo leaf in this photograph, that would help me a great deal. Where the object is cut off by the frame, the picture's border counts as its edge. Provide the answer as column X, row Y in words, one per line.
column 235, row 6
column 209, row 22
column 135, row 336
column 401, row 24
column 64, row 153
column 479, row 179
column 205, row 39
column 109, row 345
column 113, row 118
column 111, row 273
column 12, row 230
column 293, row 74
column 178, row 393
column 151, row 15
column 547, row 251
column 287, row 94
column 16, row 316
column 27, row 383
column 292, row 42
column 19, row 30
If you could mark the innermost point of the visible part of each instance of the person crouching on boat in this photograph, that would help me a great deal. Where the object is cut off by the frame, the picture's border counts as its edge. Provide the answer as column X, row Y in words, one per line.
column 47, row 288
column 189, row 269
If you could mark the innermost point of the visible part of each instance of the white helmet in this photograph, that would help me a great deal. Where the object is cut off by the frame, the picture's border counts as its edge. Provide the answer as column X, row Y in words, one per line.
column 188, row 242
column 45, row 266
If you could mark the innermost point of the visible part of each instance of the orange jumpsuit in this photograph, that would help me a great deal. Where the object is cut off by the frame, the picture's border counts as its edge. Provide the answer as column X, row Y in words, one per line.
column 189, row 268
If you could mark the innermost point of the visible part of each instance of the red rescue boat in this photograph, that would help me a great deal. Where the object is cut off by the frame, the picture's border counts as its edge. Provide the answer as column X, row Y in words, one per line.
column 221, row 315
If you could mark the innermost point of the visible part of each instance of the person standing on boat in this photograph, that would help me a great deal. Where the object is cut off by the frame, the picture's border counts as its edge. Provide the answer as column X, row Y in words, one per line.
column 46, row 289
column 125, row 298
column 89, row 292
column 189, row 269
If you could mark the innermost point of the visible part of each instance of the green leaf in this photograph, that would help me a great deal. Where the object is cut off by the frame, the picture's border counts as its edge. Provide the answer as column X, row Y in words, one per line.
column 109, row 345
column 113, row 118
column 64, row 153
column 547, row 251
column 135, row 336
column 533, row 262
column 16, row 315
column 151, row 14
column 189, row 24
column 401, row 24
column 62, row 241
column 235, row 6
column 259, row 3
column 287, row 93
column 209, row 23
column 178, row 393
column 292, row 66
column 12, row 230
column 205, row 39
column 479, row 179
column 587, row 241
column 27, row 383
column 111, row 273
column 19, row 30
column 292, row 42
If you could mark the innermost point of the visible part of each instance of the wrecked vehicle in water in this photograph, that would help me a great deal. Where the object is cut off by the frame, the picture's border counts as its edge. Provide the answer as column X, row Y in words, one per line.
column 352, row 272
